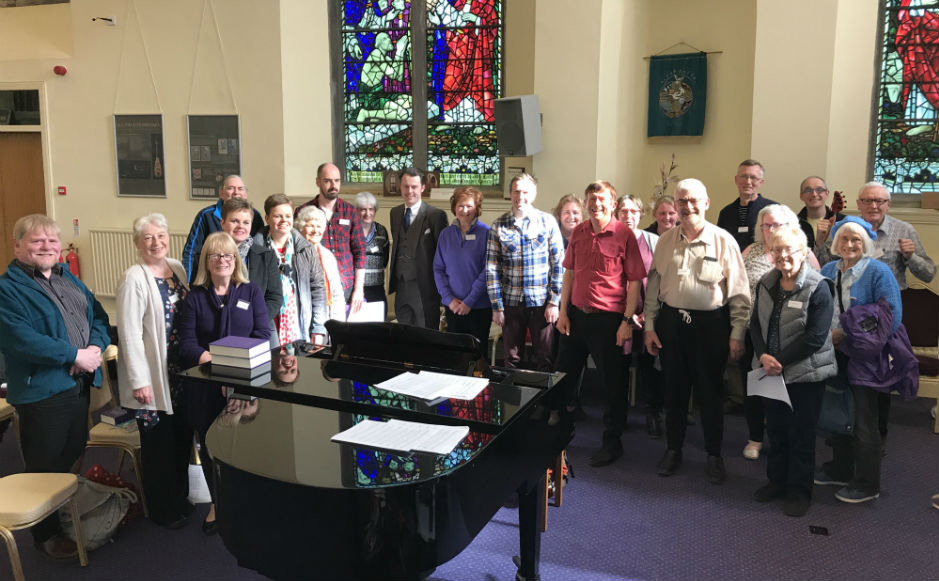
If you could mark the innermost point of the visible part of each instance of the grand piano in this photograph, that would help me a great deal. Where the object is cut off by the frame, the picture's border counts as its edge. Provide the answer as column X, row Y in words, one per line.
column 292, row 504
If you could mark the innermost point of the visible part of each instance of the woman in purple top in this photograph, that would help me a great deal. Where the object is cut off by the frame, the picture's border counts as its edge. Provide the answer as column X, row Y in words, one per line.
column 460, row 268
column 220, row 303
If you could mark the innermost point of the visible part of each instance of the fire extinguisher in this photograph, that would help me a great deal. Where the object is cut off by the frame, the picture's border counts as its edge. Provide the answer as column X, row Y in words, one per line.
column 71, row 259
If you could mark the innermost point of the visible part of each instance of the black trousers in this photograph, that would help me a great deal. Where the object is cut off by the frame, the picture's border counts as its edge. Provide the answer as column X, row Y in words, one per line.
column 476, row 323
column 164, row 458
column 790, row 456
column 650, row 388
column 53, row 434
column 752, row 406
column 695, row 346
column 856, row 458
column 594, row 334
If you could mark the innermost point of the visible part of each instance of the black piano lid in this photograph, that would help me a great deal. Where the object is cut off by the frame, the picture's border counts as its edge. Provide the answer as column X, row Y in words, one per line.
column 349, row 387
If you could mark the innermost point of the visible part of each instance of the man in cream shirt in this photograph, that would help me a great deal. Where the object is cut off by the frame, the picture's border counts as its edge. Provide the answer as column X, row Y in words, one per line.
column 697, row 307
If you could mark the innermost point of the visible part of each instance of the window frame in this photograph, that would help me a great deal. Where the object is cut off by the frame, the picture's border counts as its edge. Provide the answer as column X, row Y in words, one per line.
column 419, row 90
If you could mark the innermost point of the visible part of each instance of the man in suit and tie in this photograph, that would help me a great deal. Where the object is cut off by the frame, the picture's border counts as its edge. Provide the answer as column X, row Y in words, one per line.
column 415, row 228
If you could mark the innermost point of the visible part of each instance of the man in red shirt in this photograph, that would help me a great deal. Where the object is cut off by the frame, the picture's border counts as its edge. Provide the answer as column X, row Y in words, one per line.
column 599, row 296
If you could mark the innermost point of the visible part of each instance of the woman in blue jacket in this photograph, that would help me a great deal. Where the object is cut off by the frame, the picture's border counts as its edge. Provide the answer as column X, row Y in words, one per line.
column 220, row 303
column 859, row 280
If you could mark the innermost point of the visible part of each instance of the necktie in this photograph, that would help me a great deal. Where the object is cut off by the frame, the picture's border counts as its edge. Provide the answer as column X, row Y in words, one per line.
column 407, row 219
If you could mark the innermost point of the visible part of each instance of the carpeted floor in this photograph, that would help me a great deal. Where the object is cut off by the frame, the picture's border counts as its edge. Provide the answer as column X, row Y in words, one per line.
column 624, row 522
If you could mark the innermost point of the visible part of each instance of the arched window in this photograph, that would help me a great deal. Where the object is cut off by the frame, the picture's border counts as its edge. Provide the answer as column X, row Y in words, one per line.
column 906, row 140
column 418, row 80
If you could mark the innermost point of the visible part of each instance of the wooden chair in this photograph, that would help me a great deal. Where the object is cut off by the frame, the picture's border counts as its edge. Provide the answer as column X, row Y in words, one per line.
column 921, row 319
column 101, row 435
column 26, row 499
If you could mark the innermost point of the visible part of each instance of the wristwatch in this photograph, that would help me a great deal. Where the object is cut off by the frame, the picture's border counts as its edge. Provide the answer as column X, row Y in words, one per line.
column 628, row 320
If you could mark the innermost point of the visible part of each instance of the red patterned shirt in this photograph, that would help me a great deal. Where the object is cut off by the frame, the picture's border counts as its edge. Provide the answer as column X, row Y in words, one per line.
column 344, row 238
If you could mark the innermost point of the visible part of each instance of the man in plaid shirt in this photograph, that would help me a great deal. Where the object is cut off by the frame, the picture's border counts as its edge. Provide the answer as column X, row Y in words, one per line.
column 343, row 232
column 524, row 274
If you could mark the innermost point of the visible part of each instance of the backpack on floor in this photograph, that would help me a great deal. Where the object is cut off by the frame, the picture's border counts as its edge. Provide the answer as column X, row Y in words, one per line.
column 101, row 509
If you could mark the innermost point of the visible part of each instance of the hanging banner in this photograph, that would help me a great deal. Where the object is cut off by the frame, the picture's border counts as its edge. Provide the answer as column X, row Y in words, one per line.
column 677, row 94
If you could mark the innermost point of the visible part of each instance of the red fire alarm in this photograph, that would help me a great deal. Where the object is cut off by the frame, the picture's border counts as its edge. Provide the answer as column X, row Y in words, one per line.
column 59, row 70
column 61, row 190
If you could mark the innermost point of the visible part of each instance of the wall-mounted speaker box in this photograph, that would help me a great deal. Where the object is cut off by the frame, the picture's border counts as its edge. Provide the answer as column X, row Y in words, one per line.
column 518, row 125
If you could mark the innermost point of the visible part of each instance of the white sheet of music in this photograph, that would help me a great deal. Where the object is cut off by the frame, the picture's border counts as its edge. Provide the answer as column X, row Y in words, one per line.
column 771, row 386
column 369, row 313
column 404, row 436
column 430, row 385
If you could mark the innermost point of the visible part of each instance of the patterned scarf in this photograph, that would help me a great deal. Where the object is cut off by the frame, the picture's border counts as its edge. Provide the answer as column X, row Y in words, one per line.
column 243, row 249
column 288, row 327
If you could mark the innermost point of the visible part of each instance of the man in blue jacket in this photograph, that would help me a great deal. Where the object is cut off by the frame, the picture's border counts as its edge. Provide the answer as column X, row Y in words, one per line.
column 52, row 332
column 209, row 220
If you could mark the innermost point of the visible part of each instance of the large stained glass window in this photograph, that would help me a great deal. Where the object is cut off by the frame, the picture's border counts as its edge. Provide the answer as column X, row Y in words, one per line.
column 419, row 80
column 906, row 148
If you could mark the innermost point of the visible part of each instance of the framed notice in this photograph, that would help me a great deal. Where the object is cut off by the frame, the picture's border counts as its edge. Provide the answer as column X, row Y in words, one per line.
column 214, row 152
column 138, row 145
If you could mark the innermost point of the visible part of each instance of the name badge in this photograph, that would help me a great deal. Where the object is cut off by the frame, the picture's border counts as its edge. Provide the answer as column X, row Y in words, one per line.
column 243, row 305
column 426, row 232
column 794, row 304
column 684, row 271
column 343, row 222
column 743, row 229
column 471, row 237
column 373, row 248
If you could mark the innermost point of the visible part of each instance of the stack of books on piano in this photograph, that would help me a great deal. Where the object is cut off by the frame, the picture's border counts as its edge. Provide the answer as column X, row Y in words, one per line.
column 245, row 358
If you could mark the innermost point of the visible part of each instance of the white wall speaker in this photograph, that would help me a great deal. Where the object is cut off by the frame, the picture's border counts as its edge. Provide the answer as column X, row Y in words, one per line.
column 518, row 125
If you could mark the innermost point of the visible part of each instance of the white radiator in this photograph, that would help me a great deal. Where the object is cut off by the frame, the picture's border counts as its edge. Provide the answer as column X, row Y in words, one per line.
column 113, row 251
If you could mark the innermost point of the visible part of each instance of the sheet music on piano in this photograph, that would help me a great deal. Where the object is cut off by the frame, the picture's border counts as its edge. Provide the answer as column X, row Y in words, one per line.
column 431, row 385
column 403, row 436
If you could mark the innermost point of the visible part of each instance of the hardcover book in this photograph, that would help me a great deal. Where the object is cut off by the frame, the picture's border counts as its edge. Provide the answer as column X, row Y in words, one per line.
column 232, row 346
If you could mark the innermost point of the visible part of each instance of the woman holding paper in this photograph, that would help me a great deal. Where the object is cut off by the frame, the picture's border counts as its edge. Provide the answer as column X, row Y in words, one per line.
column 221, row 303
column 790, row 329
column 148, row 298
column 460, row 268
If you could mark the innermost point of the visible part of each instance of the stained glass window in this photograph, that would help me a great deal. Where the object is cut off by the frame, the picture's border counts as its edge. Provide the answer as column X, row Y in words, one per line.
column 906, row 148
column 419, row 81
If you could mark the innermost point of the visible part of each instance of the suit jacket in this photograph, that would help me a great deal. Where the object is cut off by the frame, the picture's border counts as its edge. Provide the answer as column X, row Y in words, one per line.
column 264, row 271
column 429, row 222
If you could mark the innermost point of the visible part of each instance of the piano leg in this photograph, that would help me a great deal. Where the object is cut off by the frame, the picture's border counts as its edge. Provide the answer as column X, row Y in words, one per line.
column 530, row 515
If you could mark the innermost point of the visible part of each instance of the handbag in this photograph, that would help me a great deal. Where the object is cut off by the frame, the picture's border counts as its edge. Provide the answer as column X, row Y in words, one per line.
column 101, row 509
column 837, row 413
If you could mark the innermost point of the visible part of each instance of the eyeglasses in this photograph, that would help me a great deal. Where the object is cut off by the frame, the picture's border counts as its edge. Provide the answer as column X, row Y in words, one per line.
column 749, row 178
column 772, row 226
column 872, row 201
column 689, row 201
column 785, row 251
column 221, row 257
column 809, row 191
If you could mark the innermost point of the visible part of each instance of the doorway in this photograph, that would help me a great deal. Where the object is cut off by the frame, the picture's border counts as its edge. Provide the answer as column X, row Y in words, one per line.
column 22, row 186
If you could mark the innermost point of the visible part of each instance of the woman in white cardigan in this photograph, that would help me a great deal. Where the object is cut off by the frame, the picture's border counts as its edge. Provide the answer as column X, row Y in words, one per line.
column 148, row 299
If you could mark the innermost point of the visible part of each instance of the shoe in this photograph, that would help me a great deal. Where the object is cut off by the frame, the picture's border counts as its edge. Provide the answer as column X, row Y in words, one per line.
column 796, row 505
column 58, row 547
column 935, row 501
column 752, row 450
column 605, row 456
column 669, row 463
column 769, row 491
column 823, row 479
column 210, row 527
column 654, row 425
column 554, row 418
column 716, row 474
column 855, row 495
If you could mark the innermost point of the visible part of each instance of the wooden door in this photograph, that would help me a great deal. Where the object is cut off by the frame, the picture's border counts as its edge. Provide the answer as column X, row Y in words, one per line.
column 22, row 188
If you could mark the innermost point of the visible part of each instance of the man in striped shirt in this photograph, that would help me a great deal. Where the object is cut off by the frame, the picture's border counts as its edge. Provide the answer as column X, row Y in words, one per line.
column 524, row 274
